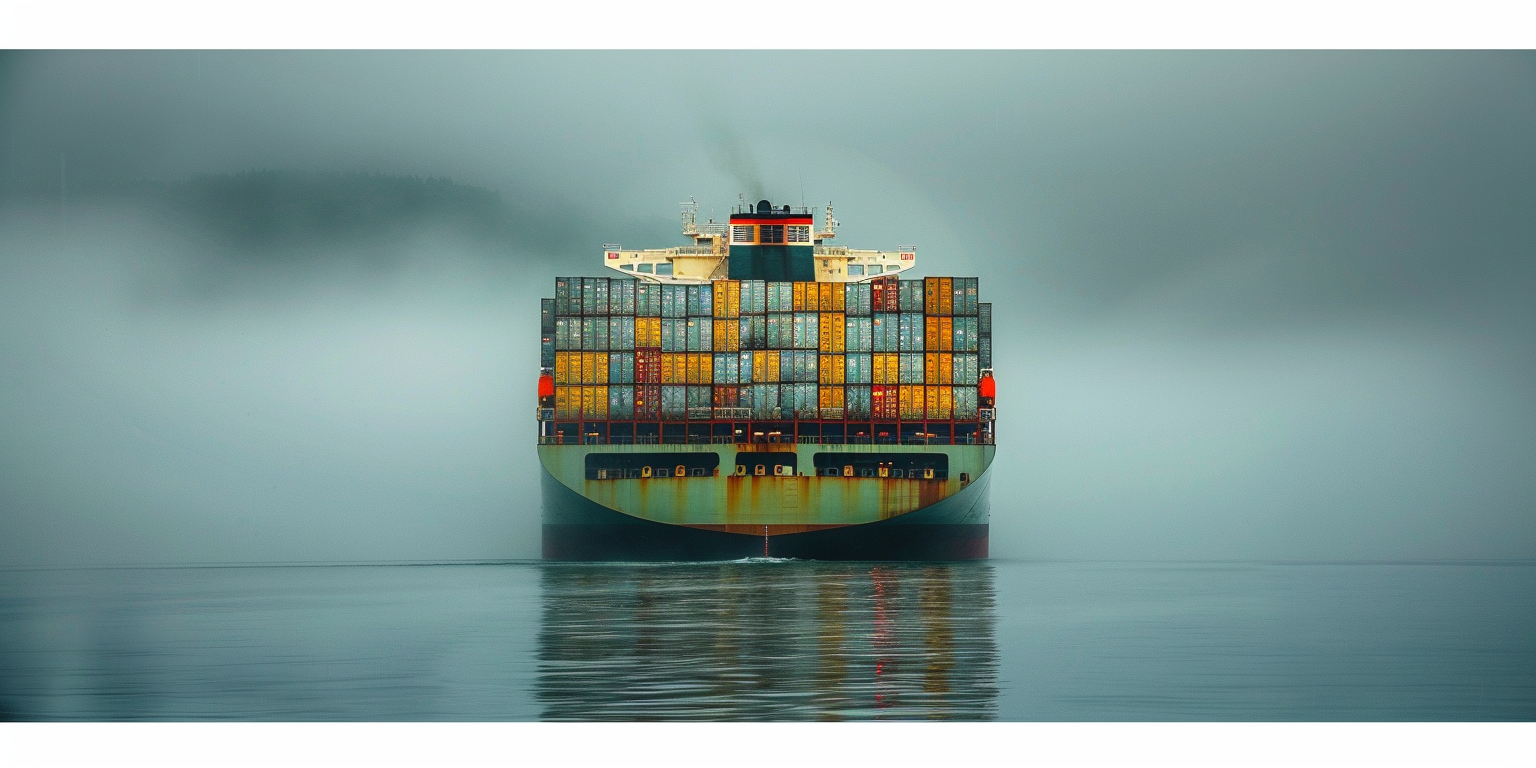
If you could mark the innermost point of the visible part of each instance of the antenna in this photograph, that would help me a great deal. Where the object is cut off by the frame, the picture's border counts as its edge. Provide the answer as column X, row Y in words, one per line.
column 829, row 230
column 690, row 216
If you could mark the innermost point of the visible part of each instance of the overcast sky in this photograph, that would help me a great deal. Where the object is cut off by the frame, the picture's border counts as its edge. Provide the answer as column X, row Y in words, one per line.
column 1249, row 305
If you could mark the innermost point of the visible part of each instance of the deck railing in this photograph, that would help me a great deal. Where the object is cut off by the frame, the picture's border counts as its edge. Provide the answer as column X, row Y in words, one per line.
column 598, row 439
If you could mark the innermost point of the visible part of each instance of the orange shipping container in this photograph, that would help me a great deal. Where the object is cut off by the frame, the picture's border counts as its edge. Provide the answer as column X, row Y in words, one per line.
column 931, row 296
column 946, row 296
column 931, row 333
column 800, row 300
column 946, row 334
column 886, row 369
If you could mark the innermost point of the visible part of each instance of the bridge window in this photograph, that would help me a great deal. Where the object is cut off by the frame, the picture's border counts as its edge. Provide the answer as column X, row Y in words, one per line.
column 771, row 233
column 799, row 233
column 664, row 268
column 741, row 233
column 646, row 268
column 855, row 269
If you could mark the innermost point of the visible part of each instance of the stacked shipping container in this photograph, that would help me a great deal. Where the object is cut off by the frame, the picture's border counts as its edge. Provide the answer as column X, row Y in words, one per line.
column 907, row 350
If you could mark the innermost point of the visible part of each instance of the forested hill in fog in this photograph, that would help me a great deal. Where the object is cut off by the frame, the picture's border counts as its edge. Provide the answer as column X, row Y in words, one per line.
column 265, row 214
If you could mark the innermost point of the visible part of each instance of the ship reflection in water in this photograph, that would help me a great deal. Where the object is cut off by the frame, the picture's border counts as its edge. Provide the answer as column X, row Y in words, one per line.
column 768, row 641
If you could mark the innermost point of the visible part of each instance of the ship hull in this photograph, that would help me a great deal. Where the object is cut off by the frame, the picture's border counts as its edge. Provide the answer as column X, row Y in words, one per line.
column 835, row 518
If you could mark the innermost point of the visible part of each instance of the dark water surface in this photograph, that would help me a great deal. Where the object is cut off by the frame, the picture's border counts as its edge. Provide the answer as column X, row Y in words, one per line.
column 772, row 640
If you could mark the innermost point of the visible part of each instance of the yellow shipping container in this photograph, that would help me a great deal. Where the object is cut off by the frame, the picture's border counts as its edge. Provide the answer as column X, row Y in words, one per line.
column 727, row 337
column 941, row 403
column 834, row 331
column 562, row 368
column 946, row 334
column 718, row 304
column 886, row 369
column 830, row 397
column 674, row 368
column 930, row 368
column 799, row 296
column 594, row 402
column 946, row 368
column 828, row 293
column 647, row 331
column 765, row 367
column 831, row 369
column 701, row 368
column 931, row 401
column 931, row 296
column 946, row 296
column 910, row 404
column 594, row 368
column 563, row 407
column 727, row 298
column 931, row 333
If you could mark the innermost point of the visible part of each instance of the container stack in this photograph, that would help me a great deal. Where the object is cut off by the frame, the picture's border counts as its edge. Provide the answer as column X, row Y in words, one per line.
column 887, row 350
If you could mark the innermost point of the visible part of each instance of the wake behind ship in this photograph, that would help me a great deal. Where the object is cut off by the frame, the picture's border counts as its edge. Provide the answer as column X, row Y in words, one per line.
column 764, row 393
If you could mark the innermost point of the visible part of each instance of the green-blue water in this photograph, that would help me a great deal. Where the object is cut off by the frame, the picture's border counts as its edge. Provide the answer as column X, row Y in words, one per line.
column 772, row 640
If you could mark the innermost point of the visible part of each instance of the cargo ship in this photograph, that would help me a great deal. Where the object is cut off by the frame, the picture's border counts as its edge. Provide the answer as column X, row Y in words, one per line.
column 763, row 393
